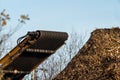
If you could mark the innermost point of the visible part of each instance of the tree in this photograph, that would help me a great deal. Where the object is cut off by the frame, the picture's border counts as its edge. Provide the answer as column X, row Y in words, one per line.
column 4, row 18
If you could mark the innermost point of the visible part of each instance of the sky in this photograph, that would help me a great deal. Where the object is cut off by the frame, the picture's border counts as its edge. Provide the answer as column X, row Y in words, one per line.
column 82, row 16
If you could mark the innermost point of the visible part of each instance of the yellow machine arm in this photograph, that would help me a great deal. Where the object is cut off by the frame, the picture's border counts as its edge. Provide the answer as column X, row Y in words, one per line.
column 31, row 52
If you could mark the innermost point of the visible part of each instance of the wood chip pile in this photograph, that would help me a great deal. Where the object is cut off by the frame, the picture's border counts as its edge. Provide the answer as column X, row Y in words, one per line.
column 99, row 59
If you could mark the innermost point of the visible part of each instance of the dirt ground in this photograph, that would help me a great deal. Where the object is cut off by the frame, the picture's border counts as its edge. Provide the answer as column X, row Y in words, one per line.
column 98, row 59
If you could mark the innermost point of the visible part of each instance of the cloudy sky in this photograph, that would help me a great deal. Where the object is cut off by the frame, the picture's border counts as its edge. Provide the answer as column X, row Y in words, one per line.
column 64, row 15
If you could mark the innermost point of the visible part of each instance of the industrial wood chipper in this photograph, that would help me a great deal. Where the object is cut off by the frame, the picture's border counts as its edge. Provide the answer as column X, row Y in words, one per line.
column 31, row 51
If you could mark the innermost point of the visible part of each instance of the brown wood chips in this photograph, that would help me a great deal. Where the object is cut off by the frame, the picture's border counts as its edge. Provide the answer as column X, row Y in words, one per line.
column 99, row 59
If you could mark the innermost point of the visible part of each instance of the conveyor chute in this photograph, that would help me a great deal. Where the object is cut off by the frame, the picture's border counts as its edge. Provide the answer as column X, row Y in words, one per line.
column 31, row 52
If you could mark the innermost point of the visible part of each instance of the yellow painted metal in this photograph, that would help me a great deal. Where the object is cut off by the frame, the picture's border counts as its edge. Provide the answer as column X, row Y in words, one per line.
column 14, row 53
column 42, row 43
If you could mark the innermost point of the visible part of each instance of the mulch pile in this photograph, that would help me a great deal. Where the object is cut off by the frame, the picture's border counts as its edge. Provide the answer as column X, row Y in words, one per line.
column 99, row 58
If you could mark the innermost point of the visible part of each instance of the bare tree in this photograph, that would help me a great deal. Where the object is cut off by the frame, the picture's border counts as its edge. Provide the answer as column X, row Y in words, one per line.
column 4, row 18
column 74, row 44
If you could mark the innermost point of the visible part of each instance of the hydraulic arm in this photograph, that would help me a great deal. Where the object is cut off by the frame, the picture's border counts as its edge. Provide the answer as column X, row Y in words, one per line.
column 31, row 51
